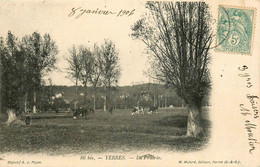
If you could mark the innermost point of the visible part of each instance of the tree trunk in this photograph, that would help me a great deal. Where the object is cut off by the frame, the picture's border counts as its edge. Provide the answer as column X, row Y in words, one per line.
column 154, row 100
column 11, row 116
column 165, row 103
column 85, row 93
column 194, row 125
column 108, row 99
column 34, row 101
column 1, row 94
column 105, row 99
column 25, row 102
column 94, row 102
column 76, row 101
column 105, row 103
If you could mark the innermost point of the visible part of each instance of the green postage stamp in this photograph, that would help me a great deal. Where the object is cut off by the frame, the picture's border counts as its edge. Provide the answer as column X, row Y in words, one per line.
column 235, row 30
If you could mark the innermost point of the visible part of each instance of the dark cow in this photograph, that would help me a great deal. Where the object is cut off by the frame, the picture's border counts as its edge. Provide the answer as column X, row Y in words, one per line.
column 91, row 111
column 27, row 120
column 135, row 110
column 82, row 111
column 153, row 110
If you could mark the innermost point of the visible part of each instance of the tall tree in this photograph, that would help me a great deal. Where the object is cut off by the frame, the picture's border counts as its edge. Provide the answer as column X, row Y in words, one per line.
column 12, row 70
column 1, row 51
column 109, row 64
column 40, row 54
column 179, row 37
column 87, row 68
column 95, row 72
column 75, row 61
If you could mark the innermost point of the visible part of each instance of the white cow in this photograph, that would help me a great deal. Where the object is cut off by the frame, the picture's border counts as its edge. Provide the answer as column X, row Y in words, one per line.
column 141, row 110
column 138, row 110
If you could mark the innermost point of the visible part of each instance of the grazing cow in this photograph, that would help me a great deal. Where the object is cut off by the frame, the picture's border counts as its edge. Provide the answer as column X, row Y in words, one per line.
column 91, row 111
column 75, row 113
column 80, row 112
column 135, row 110
column 27, row 120
column 138, row 110
column 153, row 110
column 56, row 110
column 28, row 111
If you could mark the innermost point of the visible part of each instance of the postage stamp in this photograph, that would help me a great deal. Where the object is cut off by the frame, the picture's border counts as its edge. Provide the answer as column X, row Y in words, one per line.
column 235, row 30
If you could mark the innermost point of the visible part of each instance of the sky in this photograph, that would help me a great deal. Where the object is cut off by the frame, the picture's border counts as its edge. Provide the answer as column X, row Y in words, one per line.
column 23, row 18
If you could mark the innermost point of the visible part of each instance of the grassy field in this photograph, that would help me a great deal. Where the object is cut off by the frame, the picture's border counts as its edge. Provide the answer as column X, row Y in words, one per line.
column 103, row 132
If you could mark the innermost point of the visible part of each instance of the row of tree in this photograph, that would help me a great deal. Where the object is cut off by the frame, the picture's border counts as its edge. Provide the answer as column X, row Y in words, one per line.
column 95, row 67
column 123, row 97
column 24, row 62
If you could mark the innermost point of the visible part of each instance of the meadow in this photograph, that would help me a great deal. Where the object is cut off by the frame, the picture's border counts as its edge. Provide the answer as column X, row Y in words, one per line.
column 103, row 132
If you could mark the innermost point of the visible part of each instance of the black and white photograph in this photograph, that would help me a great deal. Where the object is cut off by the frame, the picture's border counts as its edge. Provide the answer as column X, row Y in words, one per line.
column 129, row 83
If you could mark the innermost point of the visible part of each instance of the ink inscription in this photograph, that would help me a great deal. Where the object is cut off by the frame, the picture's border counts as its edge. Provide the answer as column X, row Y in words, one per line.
column 249, row 110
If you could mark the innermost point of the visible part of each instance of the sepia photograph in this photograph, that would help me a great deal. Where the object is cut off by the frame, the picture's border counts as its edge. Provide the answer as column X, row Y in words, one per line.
column 129, row 83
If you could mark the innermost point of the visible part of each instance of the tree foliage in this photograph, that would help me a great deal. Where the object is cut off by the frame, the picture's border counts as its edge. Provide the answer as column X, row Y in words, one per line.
column 109, row 64
column 75, row 61
column 41, row 55
column 95, row 67
column 24, row 63
column 87, row 65
column 110, row 70
column 12, row 71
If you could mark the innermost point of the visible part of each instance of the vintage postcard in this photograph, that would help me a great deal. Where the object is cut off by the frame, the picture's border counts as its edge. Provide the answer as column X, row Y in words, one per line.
column 129, row 83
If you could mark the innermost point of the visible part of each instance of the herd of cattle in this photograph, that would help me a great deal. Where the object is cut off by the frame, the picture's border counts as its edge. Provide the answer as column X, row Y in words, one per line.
column 140, row 110
column 83, row 112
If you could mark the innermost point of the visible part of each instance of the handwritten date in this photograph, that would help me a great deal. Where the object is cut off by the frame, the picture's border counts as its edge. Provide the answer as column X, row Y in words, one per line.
column 245, row 75
column 78, row 12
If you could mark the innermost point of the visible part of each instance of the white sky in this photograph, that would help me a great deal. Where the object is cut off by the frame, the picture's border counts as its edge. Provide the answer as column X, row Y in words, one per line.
column 52, row 17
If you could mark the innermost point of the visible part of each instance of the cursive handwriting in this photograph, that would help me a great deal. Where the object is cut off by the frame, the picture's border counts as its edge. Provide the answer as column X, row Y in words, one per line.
column 250, row 127
column 244, row 111
column 249, row 113
column 252, row 100
column 245, row 75
column 78, row 12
